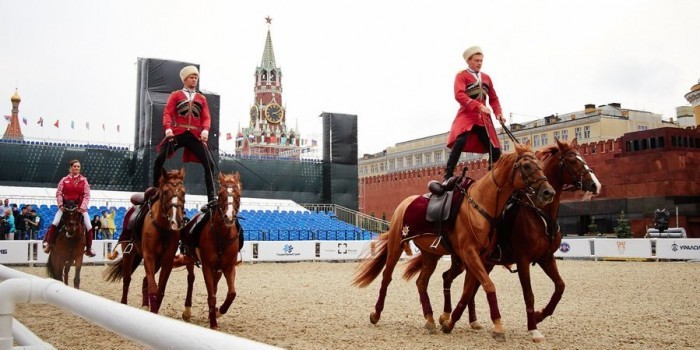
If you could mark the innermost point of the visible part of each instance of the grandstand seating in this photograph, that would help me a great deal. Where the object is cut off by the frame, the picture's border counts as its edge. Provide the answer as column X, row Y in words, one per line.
column 259, row 225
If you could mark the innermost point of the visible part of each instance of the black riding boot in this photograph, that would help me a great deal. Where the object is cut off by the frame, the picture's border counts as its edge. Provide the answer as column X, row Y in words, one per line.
column 455, row 153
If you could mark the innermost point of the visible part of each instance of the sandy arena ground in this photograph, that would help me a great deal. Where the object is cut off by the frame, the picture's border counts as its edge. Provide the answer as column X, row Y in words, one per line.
column 607, row 305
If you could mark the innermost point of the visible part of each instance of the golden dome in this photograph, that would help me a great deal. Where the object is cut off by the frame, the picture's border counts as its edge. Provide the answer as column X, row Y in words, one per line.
column 15, row 97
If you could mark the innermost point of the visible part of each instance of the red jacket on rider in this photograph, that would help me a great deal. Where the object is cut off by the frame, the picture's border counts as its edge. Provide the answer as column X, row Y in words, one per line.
column 74, row 188
column 183, row 114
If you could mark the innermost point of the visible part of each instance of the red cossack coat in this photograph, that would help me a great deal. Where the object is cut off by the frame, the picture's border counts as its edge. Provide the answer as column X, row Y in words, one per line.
column 470, row 97
column 182, row 115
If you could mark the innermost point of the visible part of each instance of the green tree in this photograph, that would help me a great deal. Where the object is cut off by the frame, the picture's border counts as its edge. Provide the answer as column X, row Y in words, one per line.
column 592, row 227
column 623, row 230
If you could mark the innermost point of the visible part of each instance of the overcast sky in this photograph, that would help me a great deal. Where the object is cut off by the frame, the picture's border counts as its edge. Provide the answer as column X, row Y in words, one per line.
column 390, row 62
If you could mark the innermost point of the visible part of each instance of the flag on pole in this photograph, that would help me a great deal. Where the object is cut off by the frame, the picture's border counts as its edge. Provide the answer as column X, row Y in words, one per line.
column 72, row 124
column 24, row 120
column 7, row 117
column 103, row 126
column 87, row 125
column 41, row 122
column 56, row 123
column 228, row 136
column 313, row 142
column 117, row 127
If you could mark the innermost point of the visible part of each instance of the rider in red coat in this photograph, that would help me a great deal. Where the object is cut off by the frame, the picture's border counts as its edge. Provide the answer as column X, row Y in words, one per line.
column 73, row 187
column 186, row 122
column 472, row 130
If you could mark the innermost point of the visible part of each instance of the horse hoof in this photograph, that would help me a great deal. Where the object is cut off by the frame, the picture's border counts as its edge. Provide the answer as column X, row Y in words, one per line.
column 218, row 314
column 476, row 325
column 444, row 318
column 430, row 326
column 500, row 337
column 536, row 336
column 374, row 318
column 447, row 327
column 186, row 316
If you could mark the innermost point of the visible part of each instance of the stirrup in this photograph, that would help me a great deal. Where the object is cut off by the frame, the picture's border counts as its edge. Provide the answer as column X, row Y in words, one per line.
column 128, row 248
column 436, row 243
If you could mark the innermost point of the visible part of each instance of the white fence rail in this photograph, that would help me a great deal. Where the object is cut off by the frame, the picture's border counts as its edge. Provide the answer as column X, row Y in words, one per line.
column 30, row 252
column 146, row 328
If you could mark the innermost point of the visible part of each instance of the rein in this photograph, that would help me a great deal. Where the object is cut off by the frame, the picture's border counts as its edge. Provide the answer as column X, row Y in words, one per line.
column 164, row 209
column 577, row 179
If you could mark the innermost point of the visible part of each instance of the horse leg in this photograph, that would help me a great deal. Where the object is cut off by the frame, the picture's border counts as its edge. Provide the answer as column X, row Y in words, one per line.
column 78, row 266
column 163, row 277
column 448, row 277
column 429, row 264
column 144, row 294
column 209, row 282
column 549, row 266
column 529, row 297
column 471, row 287
column 150, row 283
column 66, row 271
column 392, row 258
column 187, row 314
column 475, row 265
column 230, row 275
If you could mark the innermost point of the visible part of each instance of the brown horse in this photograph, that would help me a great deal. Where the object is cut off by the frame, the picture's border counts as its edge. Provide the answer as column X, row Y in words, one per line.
column 69, row 248
column 156, row 244
column 216, row 248
column 471, row 238
column 528, row 235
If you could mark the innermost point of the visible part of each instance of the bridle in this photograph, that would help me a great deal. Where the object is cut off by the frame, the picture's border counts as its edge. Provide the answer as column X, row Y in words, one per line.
column 71, row 226
column 176, row 201
column 576, row 177
column 232, row 205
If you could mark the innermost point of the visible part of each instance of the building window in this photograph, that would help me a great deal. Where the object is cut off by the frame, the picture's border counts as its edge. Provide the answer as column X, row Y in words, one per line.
column 577, row 133
column 506, row 145
column 409, row 161
column 438, row 156
column 557, row 135
column 392, row 164
column 428, row 158
column 382, row 167
column 641, row 127
column 399, row 163
column 419, row 159
column 565, row 135
column 544, row 139
column 587, row 132
column 536, row 140
column 524, row 140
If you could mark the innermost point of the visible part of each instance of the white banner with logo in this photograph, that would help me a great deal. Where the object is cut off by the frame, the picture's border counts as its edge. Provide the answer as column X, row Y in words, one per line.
column 343, row 250
column 622, row 248
column 574, row 248
column 669, row 248
column 284, row 250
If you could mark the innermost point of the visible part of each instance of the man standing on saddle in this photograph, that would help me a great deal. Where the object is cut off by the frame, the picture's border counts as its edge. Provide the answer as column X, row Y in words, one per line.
column 73, row 187
column 472, row 130
column 186, row 122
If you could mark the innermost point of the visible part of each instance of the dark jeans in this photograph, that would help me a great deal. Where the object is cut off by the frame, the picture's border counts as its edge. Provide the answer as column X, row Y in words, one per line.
column 194, row 145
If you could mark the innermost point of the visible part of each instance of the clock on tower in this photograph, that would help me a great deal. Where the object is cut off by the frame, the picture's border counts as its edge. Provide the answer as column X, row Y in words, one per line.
column 274, row 113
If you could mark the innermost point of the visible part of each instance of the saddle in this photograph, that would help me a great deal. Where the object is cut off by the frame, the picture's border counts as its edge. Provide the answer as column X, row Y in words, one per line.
column 137, row 214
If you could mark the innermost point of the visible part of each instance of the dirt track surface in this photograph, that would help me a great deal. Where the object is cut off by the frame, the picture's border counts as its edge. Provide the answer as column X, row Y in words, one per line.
column 606, row 305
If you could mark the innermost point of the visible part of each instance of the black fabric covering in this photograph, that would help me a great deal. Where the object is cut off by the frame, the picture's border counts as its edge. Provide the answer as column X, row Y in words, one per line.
column 340, row 176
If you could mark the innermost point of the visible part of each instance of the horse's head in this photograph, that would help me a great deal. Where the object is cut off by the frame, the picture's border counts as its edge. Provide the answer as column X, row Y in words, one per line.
column 172, row 197
column 574, row 169
column 72, row 220
column 527, row 174
column 229, row 196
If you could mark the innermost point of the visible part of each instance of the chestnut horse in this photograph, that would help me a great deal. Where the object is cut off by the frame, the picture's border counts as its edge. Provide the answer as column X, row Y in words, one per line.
column 217, row 248
column 156, row 244
column 69, row 247
column 529, row 236
column 470, row 239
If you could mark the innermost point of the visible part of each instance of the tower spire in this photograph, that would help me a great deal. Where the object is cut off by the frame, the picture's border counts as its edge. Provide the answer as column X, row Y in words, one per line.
column 268, row 59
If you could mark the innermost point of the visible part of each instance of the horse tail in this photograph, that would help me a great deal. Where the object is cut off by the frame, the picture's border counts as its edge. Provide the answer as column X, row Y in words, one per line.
column 51, row 271
column 413, row 267
column 370, row 268
column 115, row 271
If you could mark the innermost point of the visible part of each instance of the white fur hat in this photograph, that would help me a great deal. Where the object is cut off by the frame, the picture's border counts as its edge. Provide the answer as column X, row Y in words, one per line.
column 471, row 52
column 187, row 71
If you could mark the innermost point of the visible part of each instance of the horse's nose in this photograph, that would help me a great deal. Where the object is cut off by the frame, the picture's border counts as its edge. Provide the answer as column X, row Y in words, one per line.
column 548, row 194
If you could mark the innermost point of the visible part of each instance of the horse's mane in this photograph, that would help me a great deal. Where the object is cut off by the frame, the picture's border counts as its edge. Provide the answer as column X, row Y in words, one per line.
column 547, row 152
column 510, row 156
